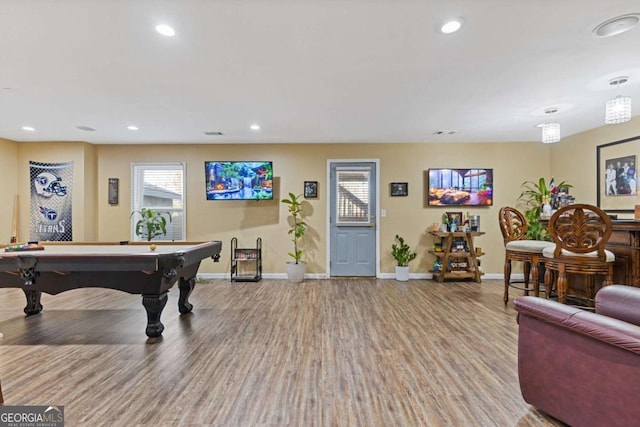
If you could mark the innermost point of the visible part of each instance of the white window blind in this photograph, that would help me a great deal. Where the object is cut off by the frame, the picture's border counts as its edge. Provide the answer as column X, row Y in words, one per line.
column 353, row 206
column 159, row 186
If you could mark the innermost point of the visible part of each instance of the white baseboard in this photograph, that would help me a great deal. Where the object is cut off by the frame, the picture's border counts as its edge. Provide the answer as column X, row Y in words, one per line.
column 208, row 276
column 414, row 276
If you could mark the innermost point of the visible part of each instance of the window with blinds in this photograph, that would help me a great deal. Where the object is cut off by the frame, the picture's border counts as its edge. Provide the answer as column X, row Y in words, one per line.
column 159, row 186
column 353, row 206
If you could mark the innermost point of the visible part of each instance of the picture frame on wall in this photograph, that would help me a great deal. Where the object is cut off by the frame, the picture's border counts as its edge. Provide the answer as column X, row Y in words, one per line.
column 616, row 171
column 310, row 189
column 399, row 189
column 114, row 190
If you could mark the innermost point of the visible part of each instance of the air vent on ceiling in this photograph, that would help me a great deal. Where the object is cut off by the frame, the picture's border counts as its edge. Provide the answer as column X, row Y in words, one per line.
column 617, row 25
column 85, row 128
column 213, row 133
column 445, row 132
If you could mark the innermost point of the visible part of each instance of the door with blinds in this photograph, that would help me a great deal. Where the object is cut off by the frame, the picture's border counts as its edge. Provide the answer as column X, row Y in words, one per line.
column 352, row 219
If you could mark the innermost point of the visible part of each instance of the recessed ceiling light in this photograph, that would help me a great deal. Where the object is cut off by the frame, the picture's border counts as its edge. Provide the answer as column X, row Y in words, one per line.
column 255, row 127
column 85, row 128
column 617, row 25
column 451, row 26
column 28, row 128
column 132, row 127
column 165, row 30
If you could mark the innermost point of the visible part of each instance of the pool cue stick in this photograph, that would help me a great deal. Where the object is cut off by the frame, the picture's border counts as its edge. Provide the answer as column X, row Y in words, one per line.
column 14, row 222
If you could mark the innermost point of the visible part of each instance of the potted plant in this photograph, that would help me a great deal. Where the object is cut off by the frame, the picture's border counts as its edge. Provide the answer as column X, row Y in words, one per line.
column 533, row 195
column 151, row 223
column 297, row 267
column 403, row 254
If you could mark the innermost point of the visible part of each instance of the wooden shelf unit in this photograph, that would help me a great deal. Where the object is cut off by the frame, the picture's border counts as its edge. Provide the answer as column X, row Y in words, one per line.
column 246, row 263
column 457, row 263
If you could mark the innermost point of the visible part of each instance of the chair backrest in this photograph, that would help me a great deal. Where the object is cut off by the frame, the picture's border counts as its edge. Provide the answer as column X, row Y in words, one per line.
column 513, row 224
column 580, row 229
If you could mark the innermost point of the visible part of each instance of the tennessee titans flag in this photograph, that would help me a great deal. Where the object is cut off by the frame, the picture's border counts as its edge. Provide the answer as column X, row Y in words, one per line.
column 51, row 185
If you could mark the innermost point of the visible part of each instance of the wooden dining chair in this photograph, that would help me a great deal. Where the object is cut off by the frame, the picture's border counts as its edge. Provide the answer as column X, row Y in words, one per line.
column 579, row 233
column 513, row 226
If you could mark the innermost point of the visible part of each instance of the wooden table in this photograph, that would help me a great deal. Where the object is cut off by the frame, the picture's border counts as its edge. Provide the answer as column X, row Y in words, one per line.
column 625, row 244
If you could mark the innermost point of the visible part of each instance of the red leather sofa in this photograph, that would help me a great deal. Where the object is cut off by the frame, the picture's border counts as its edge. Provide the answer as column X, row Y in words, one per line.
column 581, row 367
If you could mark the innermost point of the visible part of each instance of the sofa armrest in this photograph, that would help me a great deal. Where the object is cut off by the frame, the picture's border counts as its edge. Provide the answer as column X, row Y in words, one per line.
column 596, row 326
column 578, row 366
column 620, row 302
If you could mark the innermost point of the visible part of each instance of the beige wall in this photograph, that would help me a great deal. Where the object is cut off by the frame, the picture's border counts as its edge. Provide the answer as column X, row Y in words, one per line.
column 89, row 191
column 9, row 180
column 574, row 158
column 295, row 163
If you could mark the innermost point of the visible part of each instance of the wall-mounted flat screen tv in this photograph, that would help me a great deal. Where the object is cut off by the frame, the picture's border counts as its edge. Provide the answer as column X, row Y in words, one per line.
column 239, row 180
column 460, row 187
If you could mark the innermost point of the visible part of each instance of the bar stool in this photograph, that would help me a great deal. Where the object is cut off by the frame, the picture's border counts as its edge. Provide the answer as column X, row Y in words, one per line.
column 579, row 233
column 513, row 226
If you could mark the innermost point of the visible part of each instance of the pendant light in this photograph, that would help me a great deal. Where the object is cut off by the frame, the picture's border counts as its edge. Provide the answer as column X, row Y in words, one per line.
column 550, row 132
column 618, row 109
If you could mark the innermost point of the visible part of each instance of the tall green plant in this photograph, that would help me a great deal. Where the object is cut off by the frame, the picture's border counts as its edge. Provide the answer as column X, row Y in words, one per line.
column 533, row 194
column 298, row 227
column 402, row 253
column 151, row 224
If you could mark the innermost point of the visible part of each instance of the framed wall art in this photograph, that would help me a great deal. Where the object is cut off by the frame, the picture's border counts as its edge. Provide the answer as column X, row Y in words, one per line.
column 399, row 189
column 310, row 189
column 455, row 217
column 616, row 172
column 113, row 190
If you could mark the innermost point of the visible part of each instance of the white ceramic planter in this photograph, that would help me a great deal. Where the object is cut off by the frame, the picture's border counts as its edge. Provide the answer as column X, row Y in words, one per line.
column 295, row 272
column 402, row 273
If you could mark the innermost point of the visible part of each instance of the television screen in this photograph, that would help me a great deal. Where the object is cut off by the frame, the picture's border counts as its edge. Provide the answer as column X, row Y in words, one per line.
column 239, row 180
column 460, row 187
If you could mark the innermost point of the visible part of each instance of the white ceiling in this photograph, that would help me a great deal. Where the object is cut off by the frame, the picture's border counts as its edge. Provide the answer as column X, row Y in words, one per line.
column 308, row 70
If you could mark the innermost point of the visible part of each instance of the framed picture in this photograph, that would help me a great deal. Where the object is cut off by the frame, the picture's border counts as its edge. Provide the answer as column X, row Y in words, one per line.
column 455, row 217
column 399, row 189
column 310, row 189
column 616, row 172
column 113, row 190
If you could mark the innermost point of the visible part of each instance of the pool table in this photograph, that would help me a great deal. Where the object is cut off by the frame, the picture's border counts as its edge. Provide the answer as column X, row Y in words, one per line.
column 129, row 267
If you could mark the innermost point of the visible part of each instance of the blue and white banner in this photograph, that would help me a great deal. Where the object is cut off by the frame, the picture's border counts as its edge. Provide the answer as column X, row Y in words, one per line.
column 51, row 185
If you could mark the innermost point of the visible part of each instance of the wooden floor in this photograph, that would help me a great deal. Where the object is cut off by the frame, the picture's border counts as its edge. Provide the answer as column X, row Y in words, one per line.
column 350, row 352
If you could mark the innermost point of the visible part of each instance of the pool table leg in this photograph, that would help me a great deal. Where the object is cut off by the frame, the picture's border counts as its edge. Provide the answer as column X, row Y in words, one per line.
column 185, row 286
column 154, row 304
column 33, row 302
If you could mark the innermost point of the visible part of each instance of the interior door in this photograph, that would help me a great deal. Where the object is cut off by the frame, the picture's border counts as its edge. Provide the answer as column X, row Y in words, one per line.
column 352, row 219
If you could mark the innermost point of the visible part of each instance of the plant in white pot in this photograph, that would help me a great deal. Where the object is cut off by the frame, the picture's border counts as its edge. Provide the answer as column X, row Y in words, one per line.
column 403, row 255
column 151, row 223
column 297, row 267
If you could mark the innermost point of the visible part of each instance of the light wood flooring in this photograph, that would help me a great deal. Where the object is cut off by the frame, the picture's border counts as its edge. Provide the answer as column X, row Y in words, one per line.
column 346, row 352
